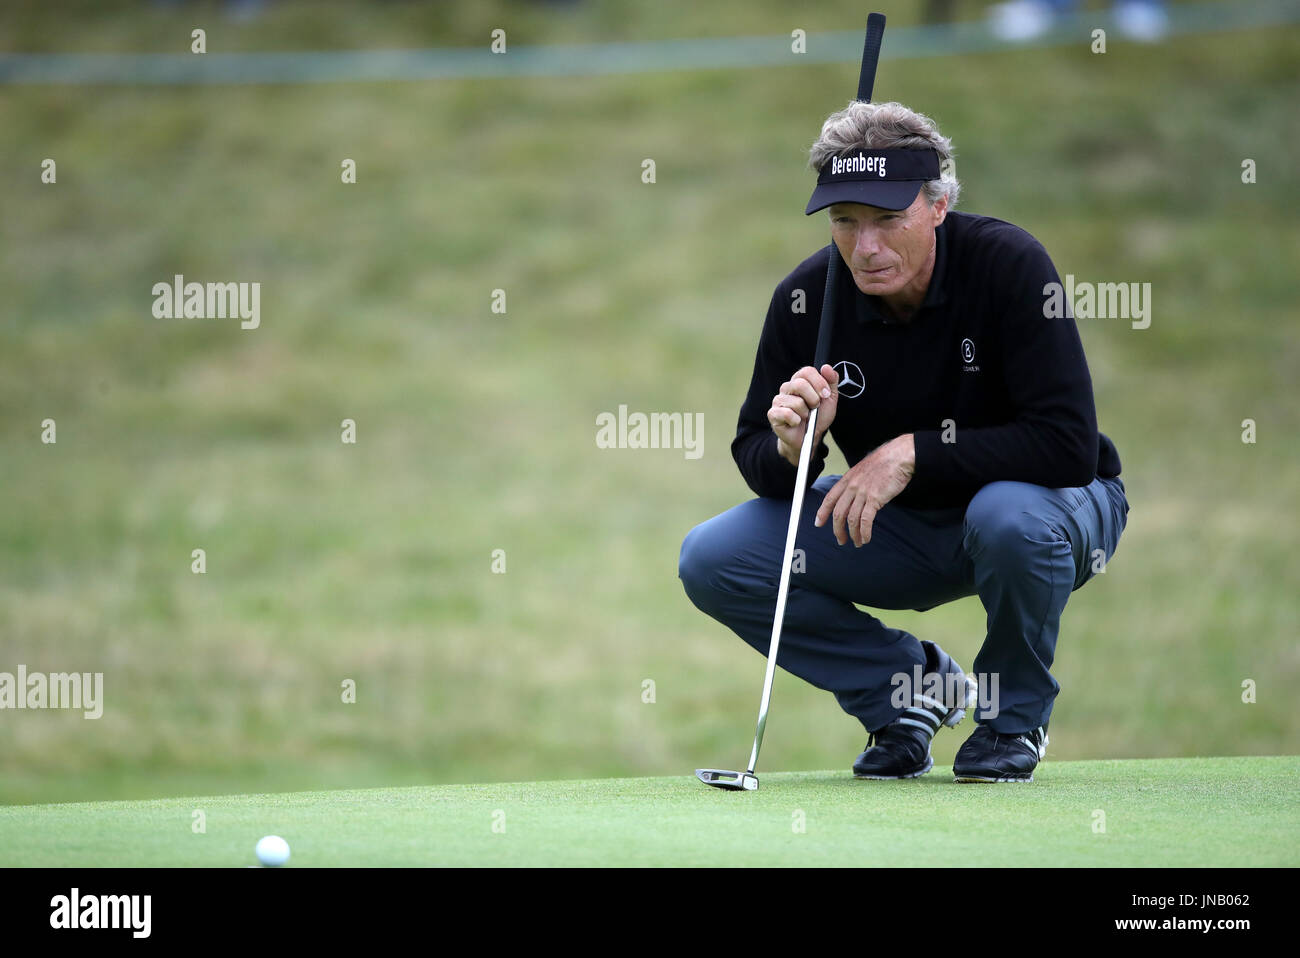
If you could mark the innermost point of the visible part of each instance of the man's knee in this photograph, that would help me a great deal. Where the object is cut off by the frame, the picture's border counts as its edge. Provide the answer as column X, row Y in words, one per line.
column 692, row 562
column 715, row 561
column 702, row 557
column 999, row 522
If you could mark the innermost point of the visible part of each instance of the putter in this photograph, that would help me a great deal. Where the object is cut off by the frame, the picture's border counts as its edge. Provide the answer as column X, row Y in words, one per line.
column 747, row 781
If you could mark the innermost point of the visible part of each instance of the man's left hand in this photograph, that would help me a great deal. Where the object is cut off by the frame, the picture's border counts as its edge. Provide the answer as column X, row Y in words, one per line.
column 864, row 490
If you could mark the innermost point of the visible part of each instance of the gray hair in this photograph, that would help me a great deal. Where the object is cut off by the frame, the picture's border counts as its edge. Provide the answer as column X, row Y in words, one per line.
column 887, row 126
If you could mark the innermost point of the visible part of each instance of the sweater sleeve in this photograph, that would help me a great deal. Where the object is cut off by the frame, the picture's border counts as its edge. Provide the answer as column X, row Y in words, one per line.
column 1051, row 439
column 782, row 351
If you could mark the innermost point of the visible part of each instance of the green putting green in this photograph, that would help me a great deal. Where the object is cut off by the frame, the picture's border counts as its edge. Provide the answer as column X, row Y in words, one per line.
column 1162, row 812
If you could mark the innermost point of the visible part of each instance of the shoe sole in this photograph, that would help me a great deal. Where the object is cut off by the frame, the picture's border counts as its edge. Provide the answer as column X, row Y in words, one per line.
column 929, row 764
column 976, row 779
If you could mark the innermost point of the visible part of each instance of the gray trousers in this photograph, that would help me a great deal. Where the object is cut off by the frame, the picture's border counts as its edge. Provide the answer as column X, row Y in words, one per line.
column 1021, row 548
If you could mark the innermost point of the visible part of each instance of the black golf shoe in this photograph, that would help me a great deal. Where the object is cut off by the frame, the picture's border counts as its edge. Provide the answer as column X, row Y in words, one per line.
column 945, row 687
column 990, row 757
column 895, row 751
column 902, row 748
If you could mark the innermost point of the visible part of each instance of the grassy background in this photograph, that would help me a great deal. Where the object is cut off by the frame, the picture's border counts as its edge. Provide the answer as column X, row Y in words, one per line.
column 476, row 430
column 1224, row 812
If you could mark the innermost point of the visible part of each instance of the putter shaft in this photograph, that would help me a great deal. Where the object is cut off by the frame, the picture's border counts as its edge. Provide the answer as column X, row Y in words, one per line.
column 796, row 507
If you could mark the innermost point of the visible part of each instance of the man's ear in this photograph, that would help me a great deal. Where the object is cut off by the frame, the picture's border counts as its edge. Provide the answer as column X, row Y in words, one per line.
column 940, row 210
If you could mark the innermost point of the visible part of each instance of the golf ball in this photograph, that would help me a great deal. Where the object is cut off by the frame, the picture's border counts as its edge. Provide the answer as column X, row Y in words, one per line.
column 272, row 851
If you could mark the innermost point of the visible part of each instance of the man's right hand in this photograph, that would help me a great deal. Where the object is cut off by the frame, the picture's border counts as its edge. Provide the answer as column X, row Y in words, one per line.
column 807, row 390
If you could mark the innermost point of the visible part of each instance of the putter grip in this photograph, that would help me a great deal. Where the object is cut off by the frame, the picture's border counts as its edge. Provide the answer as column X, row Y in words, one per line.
column 870, row 55
column 823, row 350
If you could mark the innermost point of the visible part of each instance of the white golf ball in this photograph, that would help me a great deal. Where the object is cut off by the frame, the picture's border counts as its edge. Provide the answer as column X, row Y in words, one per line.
column 272, row 851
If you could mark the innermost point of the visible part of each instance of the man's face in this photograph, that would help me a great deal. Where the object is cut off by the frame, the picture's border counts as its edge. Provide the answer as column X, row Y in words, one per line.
column 888, row 251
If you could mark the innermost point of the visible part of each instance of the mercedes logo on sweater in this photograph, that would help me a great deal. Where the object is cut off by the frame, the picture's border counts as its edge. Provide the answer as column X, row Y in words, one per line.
column 852, row 382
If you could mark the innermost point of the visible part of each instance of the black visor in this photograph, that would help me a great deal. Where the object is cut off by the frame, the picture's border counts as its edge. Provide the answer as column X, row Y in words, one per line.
column 889, row 179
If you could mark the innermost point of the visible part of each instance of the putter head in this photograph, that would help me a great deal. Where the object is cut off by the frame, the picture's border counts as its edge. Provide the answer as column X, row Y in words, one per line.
column 732, row 781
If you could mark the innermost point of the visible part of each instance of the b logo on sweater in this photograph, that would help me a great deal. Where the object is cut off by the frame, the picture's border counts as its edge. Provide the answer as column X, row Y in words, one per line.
column 968, row 356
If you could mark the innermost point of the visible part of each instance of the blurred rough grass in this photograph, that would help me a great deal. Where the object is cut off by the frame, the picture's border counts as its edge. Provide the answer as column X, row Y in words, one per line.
column 373, row 562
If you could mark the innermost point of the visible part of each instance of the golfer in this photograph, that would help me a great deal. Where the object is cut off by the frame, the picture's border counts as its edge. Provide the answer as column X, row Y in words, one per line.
column 966, row 411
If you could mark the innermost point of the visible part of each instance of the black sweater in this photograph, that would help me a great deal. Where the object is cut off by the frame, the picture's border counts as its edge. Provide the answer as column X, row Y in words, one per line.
column 979, row 352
